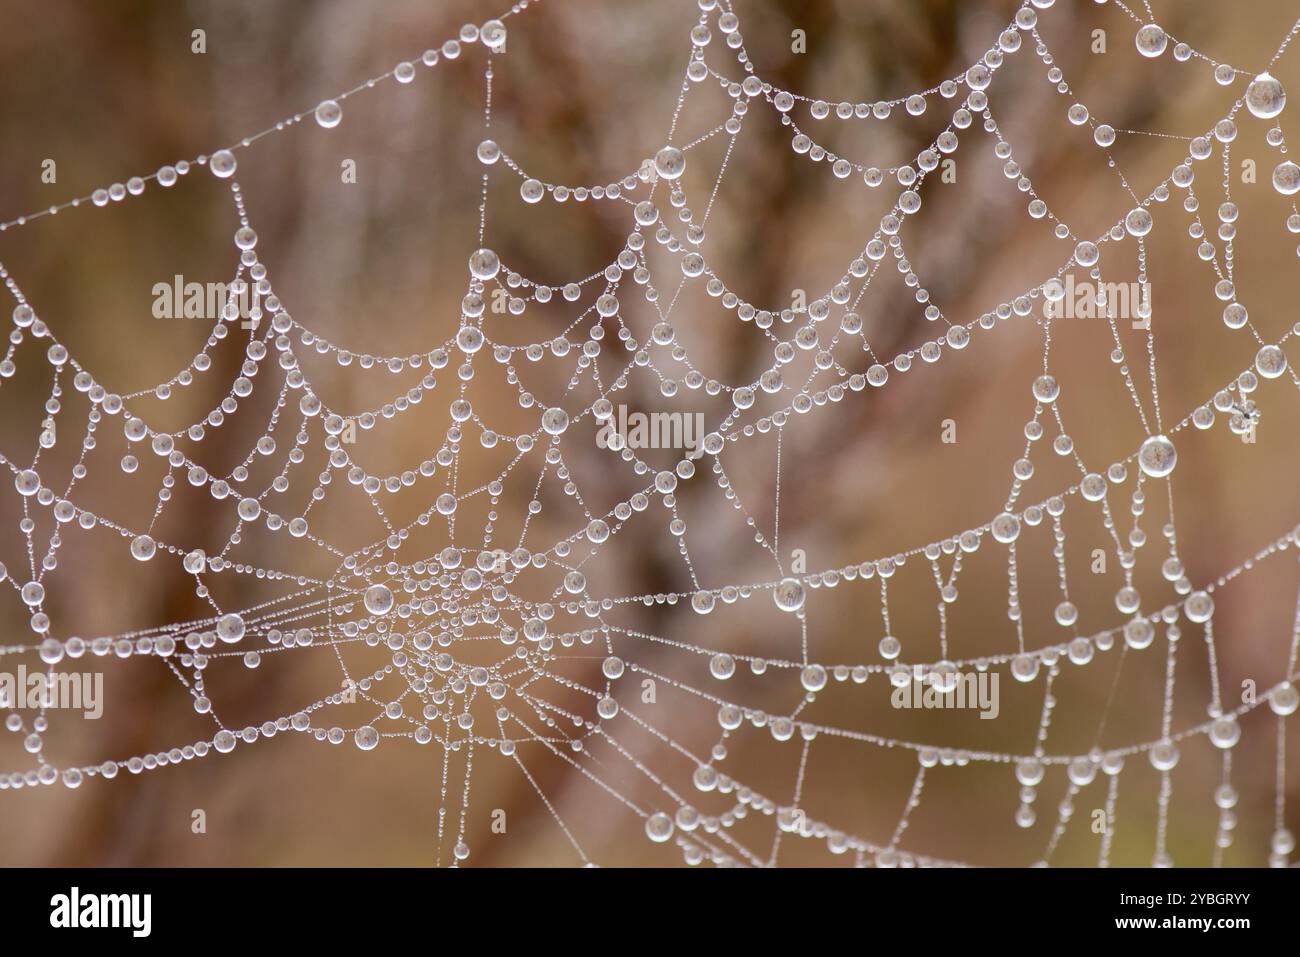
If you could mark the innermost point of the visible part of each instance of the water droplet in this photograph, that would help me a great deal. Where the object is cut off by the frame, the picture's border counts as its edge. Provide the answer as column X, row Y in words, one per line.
column 484, row 264
column 378, row 599
column 1046, row 388
column 1164, row 756
column 143, row 548
column 813, row 678
column 722, row 666
column 1151, row 40
column 329, row 113
column 1157, row 456
column 230, row 628
column 222, row 163
column 1005, row 528
column 1265, row 96
column 670, row 163
column 1225, row 732
column 659, row 827
column 788, row 594
column 531, row 191
column 1138, row 222
column 1286, row 178
column 1199, row 606
column 1284, row 699
column 1270, row 361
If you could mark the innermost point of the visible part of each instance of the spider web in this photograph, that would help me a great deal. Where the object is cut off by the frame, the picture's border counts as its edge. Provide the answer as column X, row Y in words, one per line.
column 498, row 613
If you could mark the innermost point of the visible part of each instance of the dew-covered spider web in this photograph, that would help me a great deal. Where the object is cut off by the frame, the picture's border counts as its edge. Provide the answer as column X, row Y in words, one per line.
column 543, row 595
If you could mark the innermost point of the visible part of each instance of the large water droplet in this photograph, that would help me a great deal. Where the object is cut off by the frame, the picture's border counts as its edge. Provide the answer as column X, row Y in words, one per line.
column 1265, row 96
column 329, row 113
column 1157, row 456
column 378, row 599
column 670, row 163
column 788, row 594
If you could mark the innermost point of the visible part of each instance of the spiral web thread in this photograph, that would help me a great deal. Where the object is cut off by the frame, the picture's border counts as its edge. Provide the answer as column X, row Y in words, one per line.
column 422, row 610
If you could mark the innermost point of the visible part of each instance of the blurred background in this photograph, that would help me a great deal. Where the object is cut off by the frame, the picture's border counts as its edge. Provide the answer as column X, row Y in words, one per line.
column 582, row 96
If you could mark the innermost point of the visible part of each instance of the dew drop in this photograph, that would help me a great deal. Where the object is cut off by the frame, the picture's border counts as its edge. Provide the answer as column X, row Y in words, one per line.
column 1265, row 97
column 788, row 594
column 1157, row 456
column 329, row 113
column 222, row 163
column 378, row 599
column 659, row 827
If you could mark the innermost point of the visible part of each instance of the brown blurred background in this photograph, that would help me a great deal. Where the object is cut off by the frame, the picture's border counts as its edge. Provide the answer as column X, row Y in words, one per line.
column 582, row 96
